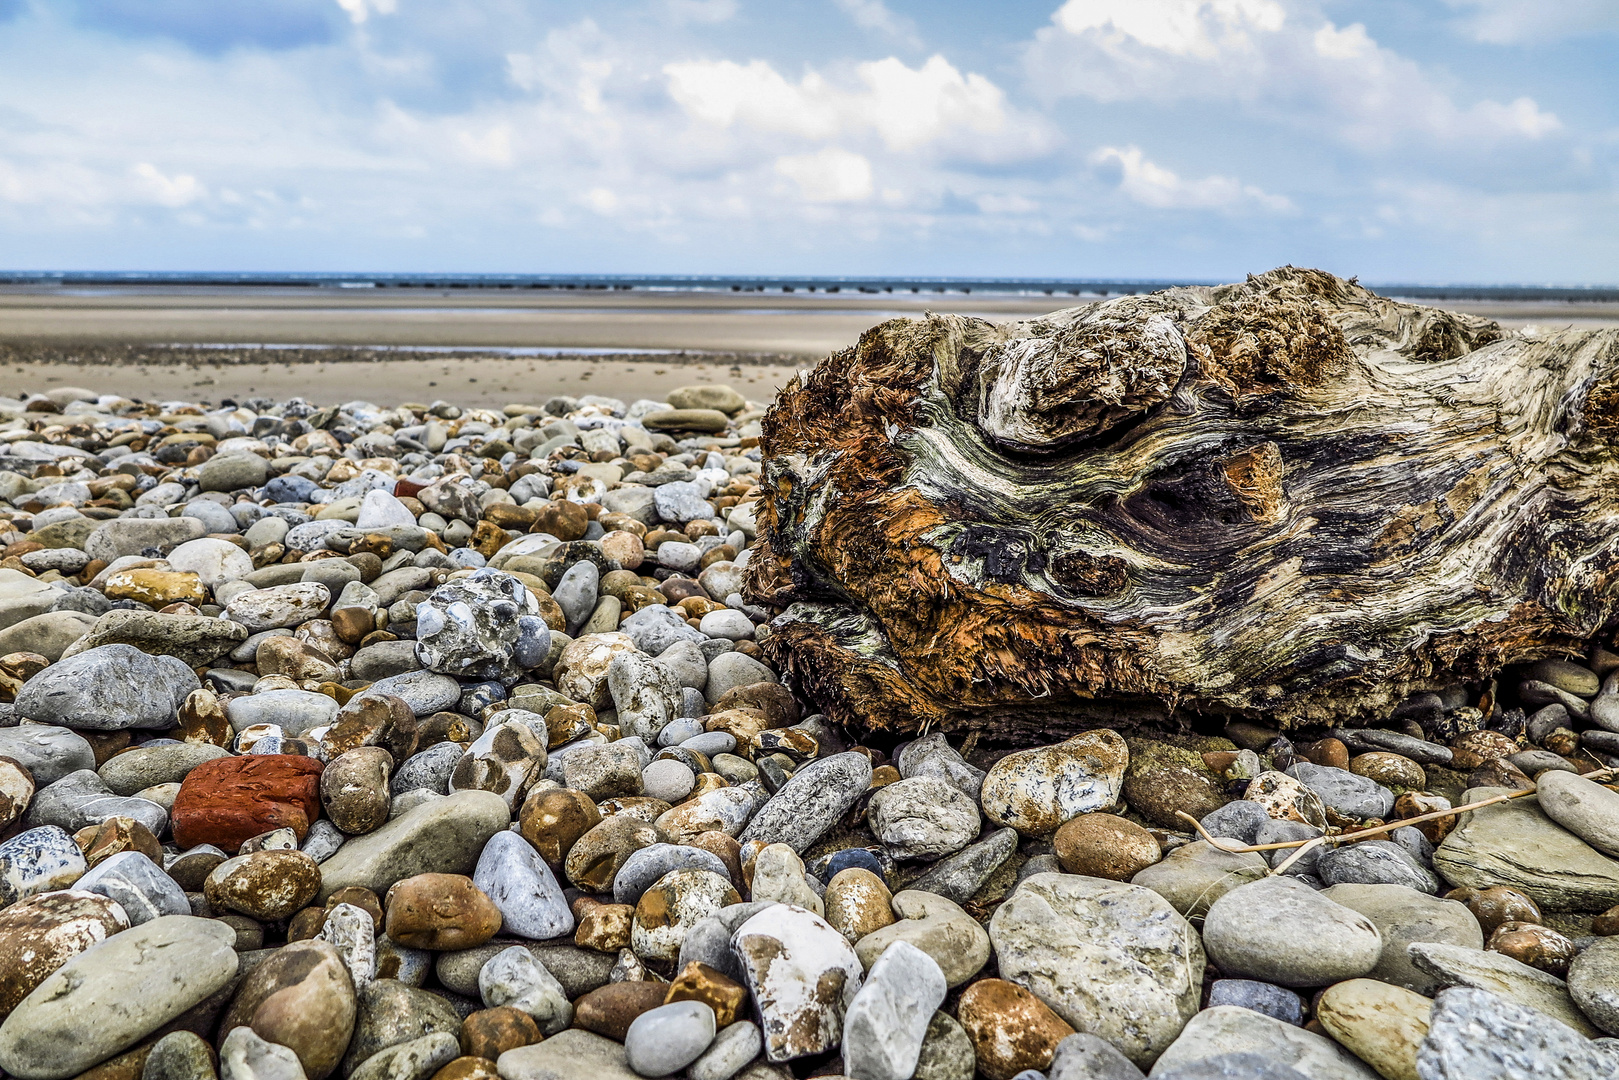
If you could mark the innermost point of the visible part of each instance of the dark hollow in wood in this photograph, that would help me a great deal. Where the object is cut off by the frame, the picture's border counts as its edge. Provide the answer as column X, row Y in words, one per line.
column 1287, row 498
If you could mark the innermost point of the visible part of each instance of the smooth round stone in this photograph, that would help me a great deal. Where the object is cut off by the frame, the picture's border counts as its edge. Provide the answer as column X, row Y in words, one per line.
column 442, row 836
column 668, row 780
column 728, row 624
column 1035, row 791
column 1281, row 930
column 264, row 885
column 214, row 561
column 1239, row 820
column 179, row 1055
column 665, row 1040
column 1011, row 1029
column 1583, row 807
column 389, row 1013
column 1257, row 1047
column 243, row 1055
column 683, row 729
column 430, row 769
column 1344, row 793
column 127, row 773
column 731, row 670
column 522, row 886
column 426, row 692
column 1375, row 862
column 947, row 1052
column 113, row 994
column 778, row 874
column 1567, row 676
column 847, row 859
column 293, row 711
column 48, row 753
column 280, row 605
column 857, row 903
column 300, row 997
column 797, row 968
column 937, row 926
column 1105, row 846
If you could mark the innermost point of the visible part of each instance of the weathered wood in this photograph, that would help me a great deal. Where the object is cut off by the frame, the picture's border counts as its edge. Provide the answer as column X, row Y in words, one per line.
column 1287, row 498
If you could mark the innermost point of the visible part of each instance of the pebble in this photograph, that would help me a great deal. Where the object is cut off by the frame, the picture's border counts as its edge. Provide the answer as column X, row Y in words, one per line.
column 857, row 903
column 1228, row 1029
column 1476, row 1035
column 808, row 804
column 729, row 1053
column 300, row 997
column 1405, row 916
column 1375, row 862
column 668, row 910
column 136, row 884
column 1515, row 844
column 1586, row 809
column 443, row 836
column 1010, row 1028
column 115, row 993
column 1105, row 846
column 1593, row 983
column 109, row 688
column 523, row 888
column 1382, row 1025
column 1194, row 876
column 1036, row 791
column 937, row 926
column 802, row 974
column 932, row 755
column 1281, row 930
column 41, row 933
column 1276, row 1002
column 1453, row 965
column 243, row 1055
column 1110, row 958
column 441, row 912
column 959, row 877
column 514, row 978
column 923, row 818
column 570, row 1055
column 39, row 860
column 886, row 1023
column 667, row 1039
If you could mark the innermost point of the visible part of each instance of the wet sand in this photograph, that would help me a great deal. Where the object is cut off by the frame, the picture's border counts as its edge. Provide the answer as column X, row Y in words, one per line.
column 393, row 345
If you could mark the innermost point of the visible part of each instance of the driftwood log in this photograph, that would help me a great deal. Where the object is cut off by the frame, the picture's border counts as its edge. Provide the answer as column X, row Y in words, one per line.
column 1288, row 498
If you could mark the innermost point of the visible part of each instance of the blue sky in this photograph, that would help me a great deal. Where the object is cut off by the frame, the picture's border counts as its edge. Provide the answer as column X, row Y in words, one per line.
column 1423, row 141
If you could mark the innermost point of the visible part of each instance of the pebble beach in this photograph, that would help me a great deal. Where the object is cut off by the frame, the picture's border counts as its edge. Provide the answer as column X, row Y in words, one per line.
column 443, row 740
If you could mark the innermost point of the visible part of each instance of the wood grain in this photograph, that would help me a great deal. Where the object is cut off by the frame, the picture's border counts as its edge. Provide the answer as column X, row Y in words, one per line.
column 1286, row 498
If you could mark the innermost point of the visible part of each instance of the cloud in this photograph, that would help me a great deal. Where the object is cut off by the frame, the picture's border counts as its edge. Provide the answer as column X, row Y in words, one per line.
column 1277, row 61
column 829, row 176
column 874, row 15
column 361, row 10
column 180, row 189
column 1519, row 22
column 1153, row 185
column 702, row 11
column 907, row 108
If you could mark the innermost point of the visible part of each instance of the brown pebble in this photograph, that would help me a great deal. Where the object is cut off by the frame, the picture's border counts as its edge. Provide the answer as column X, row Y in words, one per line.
column 488, row 1033
column 353, row 623
column 1011, row 1029
column 603, row 927
column 1105, row 846
column 1497, row 905
column 1415, row 803
column 554, row 820
column 1500, row 773
column 468, row 1068
column 1478, row 748
column 858, row 902
column 265, row 885
column 440, row 912
column 1607, row 923
column 1327, row 752
column 360, row 897
column 306, row 925
column 610, row 1010
column 1538, row 946
column 699, row 982
column 113, row 837
column 724, row 847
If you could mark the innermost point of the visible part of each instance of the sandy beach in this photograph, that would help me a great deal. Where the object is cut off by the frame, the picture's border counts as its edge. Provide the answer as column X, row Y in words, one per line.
column 480, row 346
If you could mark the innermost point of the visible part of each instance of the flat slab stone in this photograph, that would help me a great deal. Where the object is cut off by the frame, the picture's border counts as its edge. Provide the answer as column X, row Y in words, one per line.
column 574, row 1054
column 1515, row 844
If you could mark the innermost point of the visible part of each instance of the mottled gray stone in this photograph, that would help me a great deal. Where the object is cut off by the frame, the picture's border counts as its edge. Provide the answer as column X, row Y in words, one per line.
column 1477, row 1035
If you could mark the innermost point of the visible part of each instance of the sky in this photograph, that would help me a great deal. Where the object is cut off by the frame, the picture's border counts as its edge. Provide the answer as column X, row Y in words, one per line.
column 1423, row 141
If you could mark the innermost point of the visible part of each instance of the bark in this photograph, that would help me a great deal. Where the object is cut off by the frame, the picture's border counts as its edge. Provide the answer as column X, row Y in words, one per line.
column 1287, row 498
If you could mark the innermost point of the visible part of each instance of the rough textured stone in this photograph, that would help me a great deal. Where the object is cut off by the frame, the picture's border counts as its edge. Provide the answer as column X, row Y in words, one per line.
column 1035, row 791
column 923, row 818
column 1476, row 1035
column 809, row 803
column 1111, row 959
column 1593, row 983
column 108, row 689
column 228, row 801
column 888, row 1019
column 267, row 885
column 300, row 997
column 1501, row 975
